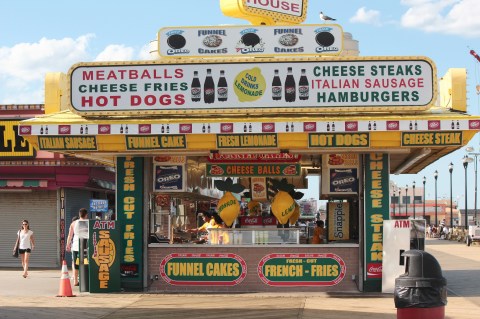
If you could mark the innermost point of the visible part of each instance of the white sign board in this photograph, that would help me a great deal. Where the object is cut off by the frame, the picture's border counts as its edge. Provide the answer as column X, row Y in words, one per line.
column 399, row 235
column 360, row 84
column 250, row 40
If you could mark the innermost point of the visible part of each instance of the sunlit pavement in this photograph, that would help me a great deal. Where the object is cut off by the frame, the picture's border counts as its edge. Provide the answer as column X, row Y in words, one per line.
column 35, row 297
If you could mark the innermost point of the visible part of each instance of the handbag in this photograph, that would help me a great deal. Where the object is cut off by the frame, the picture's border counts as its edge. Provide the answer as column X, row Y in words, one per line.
column 15, row 253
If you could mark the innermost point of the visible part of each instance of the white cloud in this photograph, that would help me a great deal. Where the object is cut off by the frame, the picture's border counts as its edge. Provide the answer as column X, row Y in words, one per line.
column 115, row 52
column 366, row 16
column 457, row 17
column 23, row 66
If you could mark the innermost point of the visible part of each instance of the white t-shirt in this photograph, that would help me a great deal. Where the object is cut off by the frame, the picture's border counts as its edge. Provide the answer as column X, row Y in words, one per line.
column 80, row 231
column 25, row 242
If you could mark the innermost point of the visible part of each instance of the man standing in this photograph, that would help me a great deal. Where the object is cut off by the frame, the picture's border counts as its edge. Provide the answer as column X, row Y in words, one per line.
column 80, row 231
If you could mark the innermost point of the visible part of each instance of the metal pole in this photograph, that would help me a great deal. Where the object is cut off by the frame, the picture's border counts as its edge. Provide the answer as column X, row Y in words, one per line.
column 465, row 165
column 450, row 169
column 406, row 201
column 394, row 191
column 424, row 182
column 413, row 202
column 435, row 175
column 475, row 199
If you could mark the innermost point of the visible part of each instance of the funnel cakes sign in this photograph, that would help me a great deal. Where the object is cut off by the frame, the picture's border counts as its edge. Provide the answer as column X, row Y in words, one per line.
column 319, row 39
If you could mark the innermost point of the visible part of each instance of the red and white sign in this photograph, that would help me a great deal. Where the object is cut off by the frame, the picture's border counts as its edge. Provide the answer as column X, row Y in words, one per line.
column 340, row 85
column 254, row 158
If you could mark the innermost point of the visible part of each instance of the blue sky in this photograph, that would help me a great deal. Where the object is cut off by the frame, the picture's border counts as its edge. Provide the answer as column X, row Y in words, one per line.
column 39, row 36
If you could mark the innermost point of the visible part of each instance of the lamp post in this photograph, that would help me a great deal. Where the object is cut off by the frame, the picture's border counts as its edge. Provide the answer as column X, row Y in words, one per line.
column 466, row 160
column 450, row 169
column 393, row 191
column 471, row 152
column 413, row 202
column 406, row 201
column 424, row 182
column 435, row 175
column 399, row 202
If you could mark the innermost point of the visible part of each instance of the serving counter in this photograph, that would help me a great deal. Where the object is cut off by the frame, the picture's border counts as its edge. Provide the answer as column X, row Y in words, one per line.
column 249, row 267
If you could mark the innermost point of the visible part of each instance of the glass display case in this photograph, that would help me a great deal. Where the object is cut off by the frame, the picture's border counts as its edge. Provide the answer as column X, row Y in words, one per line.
column 253, row 236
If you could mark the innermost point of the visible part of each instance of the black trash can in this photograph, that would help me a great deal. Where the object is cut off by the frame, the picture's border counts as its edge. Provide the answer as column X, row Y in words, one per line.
column 421, row 292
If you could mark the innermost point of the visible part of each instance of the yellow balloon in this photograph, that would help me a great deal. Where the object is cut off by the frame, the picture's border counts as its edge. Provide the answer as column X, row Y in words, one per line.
column 228, row 208
column 254, row 208
column 283, row 206
column 296, row 214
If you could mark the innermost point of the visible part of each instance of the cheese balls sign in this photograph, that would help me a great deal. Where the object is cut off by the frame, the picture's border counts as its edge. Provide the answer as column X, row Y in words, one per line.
column 283, row 206
column 228, row 208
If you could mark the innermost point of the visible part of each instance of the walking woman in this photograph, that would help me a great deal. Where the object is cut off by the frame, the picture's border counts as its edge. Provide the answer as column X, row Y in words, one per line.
column 26, row 244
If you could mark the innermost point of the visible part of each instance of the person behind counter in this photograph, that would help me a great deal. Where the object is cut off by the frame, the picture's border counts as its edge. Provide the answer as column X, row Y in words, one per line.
column 208, row 221
column 319, row 233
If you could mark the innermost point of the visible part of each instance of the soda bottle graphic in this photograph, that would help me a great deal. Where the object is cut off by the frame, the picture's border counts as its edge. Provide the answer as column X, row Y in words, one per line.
column 303, row 89
column 290, row 87
column 46, row 129
column 250, row 127
column 86, row 129
column 222, row 88
column 81, row 129
column 369, row 125
column 209, row 88
column 196, row 89
column 121, row 128
column 333, row 126
column 328, row 127
column 276, row 87
column 41, row 129
column 163, row 129
column 168, row 128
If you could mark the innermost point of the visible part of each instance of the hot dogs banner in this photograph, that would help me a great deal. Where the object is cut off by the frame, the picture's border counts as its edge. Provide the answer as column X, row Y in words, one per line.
column 250, row 40
column 327, row 85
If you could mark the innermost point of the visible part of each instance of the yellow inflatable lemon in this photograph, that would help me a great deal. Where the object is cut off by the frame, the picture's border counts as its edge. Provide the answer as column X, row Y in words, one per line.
column 254, row 208
column 228, row 208
column 283, row 206
column 296, row 214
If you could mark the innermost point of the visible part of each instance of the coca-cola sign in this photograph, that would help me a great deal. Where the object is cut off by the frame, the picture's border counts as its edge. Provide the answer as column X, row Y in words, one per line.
column 374, row 270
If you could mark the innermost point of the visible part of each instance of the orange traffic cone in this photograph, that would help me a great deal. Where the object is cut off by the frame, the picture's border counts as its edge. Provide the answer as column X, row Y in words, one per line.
column 65, row 287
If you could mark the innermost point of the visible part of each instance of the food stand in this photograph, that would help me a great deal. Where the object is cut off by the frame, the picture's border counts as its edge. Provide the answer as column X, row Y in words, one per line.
column 252, row 104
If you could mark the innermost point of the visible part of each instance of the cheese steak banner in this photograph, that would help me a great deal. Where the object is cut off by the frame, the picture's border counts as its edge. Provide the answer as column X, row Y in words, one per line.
column 245, row 170
column 250, row 40
column 377, row 203
column 431, row 138
column 339, row 85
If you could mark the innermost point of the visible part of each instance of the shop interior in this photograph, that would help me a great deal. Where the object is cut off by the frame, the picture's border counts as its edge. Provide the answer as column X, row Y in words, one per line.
column 174, row 213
